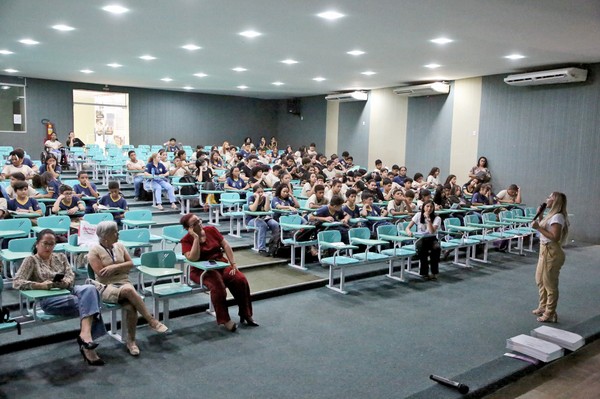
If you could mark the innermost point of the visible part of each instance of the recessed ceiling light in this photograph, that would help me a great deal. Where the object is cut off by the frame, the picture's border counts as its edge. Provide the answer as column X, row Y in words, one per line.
column 250, row 33
column 432, row 66
column 10, row 70
column 6, row 52
column 242, row 87
column 167, row 79
column 29, row 42
column 355, row 52
column 114, row 65
column 188, row 88
column 64, row 28
column 330, row 15
column 147, row 57
column 319, row 79
column 191, row 47
column 368, row 73
column 200, row 75
column 5, row 87
column 515, row 56
column 239, row 69
column 441, row 40
column 278, row 83
column 115, row 9
column 86, row 71
column 289, row 61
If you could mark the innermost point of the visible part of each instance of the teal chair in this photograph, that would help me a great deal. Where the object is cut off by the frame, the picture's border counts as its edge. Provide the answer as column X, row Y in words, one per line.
column 389, row 233
column 58, row 224
column 332, row 240
column 14, row 228
column 481, row 234
column 456, row 237
column 134, row 239
column 173, row 235
column 158, row 266
column 140, row 219
column 18, row 249
column 362, row 236
column 6, row 326
column 95, row 218
column 293, row 224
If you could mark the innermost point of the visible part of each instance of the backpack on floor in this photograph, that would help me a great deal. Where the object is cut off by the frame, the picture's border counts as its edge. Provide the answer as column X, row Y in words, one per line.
column 276, row 248
column 145, row 195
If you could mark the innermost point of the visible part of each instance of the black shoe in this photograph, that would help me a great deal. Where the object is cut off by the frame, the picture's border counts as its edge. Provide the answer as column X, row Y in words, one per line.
column 249, row 322
column 263, row 252
column 86, row 345
column 97, row 362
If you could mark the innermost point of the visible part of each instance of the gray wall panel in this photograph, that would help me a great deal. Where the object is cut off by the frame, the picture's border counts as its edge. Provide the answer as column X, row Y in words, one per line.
column 429, row 133
column 309, row 128
column 353, row 133
column 546, row 138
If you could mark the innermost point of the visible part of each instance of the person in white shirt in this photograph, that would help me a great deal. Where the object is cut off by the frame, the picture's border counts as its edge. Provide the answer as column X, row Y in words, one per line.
column 179, row 169
column 433, row 178
column 512, row 195
column 16, row 165
column 134, row 164
column 427, row 247
column 554, row 229
column 272, row 176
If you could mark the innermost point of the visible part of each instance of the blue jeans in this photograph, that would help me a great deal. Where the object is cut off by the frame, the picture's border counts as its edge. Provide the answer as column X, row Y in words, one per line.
column 84, row 301
column 138, row 180
column 261, row 227
column 158, row 186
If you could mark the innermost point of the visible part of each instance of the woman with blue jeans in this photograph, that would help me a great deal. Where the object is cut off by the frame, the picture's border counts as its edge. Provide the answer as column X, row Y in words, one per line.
column 159, row 174
column 45, row 270
column 259, row 202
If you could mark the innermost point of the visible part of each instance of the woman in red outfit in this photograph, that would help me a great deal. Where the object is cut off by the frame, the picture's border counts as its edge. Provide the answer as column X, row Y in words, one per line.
column 207, row 243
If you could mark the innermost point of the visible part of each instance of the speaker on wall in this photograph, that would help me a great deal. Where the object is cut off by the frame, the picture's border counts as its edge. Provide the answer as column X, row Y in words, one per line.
column 294, row 106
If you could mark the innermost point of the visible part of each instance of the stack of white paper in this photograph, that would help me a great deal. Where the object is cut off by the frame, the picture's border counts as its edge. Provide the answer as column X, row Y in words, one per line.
column 566, row 339
column 535, row 347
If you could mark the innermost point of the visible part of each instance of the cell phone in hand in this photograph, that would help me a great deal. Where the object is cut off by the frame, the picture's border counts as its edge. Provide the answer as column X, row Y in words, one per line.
column 58, row 277
column 212, row 262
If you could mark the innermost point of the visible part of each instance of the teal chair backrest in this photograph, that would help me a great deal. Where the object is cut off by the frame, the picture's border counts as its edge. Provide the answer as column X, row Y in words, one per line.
column 42, row 207
column 387, row 230
column 505, row 215
column 230, row 196
column 174, row 231
column 70, row 182
column 161, row 259
column 451, row 222
column 21, row 244
column 23, row 225
column 135, row 235
column 402, row 227
column 530, row 212
column 95, row 218
column 359, row 232
column 471, row 219
column 329, row 236
column 290, row 219
column 54, row 222
column 138, row 215
column 489, row 217
column 518, row 212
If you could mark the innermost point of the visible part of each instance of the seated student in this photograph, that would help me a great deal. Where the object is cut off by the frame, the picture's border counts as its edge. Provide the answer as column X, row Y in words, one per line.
column 50, row 184
column 85, row 188
column 337, row 188
column 433, row 178
column 332, row 213
column 309, row 186
column 259, row 201
column 51, row 166
column 23, row 203
column 179, row 168
column 114, row 199
column 401, row 176
column 3, row 202
column 18, row 176
column 329, row 171
column 234, row 182
column 271, row 177
column 399, row 205
column 17, row 164
column 286, row 179
column 171, row 145
column 512, row 195
column 283, row 201
column 369, row 209
column 257, row 178
column 440, row 197
column 372, row 189
column 66, row 201
column 424, row 196
column 427, row 247
column 138, row 177
column 350, row 207
column 407, row 185
column 410, row 199
column 483, row 196
column 470, row 187
column 159, row 183
column 318, row 199
column 386, row 189
column 418, row 182
column 457, row 197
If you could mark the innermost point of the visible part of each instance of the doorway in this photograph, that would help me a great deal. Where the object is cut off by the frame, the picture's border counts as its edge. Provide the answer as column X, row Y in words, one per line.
column 101, row 117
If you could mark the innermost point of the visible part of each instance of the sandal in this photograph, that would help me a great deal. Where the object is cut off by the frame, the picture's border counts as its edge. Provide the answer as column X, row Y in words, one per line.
column 133, row 349
column 538, row 311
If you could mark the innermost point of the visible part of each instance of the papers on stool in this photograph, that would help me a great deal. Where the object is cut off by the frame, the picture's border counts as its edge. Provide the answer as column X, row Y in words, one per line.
column 535, row 347
column 565, row 339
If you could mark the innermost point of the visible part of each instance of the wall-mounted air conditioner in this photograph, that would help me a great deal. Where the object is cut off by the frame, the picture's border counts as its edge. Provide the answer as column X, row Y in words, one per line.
column 429, row 89
column 347, row 97
column 554, row 76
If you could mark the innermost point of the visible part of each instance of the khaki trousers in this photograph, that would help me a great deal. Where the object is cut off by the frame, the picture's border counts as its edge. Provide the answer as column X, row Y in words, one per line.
column 550, row 261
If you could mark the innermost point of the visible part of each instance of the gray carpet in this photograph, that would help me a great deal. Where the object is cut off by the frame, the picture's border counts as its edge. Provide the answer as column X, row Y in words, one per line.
column 382, row 340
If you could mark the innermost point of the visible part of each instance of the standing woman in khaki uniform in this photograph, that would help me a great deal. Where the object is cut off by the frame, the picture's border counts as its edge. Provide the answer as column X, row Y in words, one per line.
column 553, row 229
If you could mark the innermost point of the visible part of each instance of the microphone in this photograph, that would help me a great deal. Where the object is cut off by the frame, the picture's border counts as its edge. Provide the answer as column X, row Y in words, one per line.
column 462, row 388
column 541, row 211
